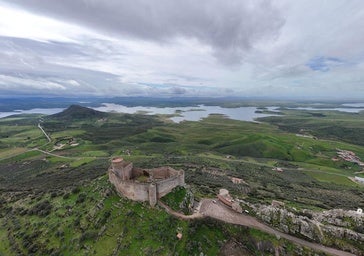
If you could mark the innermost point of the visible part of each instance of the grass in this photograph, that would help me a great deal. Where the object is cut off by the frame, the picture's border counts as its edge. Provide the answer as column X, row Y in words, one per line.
column 4, row 243
column 102, row 223
column 175, row 198
column 96, row 153
column 11, row 152
column 82, row 161
column 330, row 177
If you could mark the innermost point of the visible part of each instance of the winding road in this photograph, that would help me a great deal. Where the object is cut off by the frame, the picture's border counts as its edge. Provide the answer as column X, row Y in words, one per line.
column 216, row 210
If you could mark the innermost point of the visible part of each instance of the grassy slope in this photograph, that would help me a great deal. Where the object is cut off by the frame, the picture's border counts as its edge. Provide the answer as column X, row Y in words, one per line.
column 93, row 220
column 325, row 124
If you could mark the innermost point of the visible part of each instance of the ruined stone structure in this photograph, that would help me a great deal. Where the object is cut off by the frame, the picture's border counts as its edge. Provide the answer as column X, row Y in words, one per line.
column 144, row 184
column 226, row 199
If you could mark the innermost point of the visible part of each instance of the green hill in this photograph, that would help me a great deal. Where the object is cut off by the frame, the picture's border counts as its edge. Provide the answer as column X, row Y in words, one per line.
column 78, row 112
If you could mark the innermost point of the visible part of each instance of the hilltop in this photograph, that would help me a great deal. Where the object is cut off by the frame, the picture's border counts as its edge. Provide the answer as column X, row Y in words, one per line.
column 78, row 112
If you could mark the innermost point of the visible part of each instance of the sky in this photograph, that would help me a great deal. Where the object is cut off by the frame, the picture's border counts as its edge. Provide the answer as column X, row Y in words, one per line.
column 168, row 48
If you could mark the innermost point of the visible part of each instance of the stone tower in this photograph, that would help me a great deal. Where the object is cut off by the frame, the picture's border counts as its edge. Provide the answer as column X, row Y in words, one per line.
column 121, row 168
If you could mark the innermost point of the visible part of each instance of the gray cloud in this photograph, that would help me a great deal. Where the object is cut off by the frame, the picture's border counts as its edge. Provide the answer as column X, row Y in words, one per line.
column 178, row 90
column 230, row 28
column 169, row 47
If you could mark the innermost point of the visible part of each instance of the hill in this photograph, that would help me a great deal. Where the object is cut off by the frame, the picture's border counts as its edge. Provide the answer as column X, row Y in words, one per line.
column 78, row 112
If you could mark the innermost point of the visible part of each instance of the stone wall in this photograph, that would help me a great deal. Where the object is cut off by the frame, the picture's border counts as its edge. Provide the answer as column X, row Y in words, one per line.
column 166, row 186
column 152, row 194
column 122, row 169
column 127, row 171
column 163, row 172
column 130, row 189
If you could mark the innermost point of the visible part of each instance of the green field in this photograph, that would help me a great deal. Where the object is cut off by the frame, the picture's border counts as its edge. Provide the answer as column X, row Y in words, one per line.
column 56, row 200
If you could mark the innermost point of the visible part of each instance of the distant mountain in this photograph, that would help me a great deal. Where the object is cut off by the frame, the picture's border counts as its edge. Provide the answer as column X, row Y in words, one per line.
column 78, row 112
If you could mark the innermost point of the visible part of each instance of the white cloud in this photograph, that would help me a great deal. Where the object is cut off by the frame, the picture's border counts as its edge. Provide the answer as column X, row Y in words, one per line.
column 73, row 83
column 22, row 24
column 11, row 82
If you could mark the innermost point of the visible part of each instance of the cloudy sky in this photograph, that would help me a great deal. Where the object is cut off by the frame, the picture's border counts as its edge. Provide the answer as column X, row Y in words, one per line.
column 278, row 48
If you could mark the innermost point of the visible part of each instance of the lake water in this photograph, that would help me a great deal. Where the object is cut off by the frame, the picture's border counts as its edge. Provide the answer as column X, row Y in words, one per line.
column 348, row 110
column 188, row 113
column 44, row 111
column 355, row 105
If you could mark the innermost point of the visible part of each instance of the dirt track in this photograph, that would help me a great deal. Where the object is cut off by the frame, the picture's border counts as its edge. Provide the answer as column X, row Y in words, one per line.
column 196, row 215
column 221, row 212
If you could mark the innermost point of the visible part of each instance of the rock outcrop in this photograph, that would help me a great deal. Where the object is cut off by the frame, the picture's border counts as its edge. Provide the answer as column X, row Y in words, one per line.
column 335, row 228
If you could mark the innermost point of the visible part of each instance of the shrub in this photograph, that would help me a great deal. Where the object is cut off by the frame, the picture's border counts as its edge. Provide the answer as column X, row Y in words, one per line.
column 66, row 196
column 81, row 198
column 88, row 235
column 41, row 209
column 76, row 190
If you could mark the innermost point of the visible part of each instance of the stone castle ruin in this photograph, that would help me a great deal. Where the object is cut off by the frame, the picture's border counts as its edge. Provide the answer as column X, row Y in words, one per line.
column 144, row 184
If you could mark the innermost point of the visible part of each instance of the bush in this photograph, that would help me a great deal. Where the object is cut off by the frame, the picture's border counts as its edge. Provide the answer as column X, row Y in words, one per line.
column 88, row 235
column 81, row 198
column 41, row 209
column 359, row 229
column 66, row 196
column 76, row 190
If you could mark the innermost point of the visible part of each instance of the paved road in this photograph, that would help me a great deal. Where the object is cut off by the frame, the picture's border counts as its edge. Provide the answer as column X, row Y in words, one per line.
column 221, row 212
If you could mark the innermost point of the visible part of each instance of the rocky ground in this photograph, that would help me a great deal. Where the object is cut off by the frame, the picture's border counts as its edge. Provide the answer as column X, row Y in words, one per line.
column 337, row 228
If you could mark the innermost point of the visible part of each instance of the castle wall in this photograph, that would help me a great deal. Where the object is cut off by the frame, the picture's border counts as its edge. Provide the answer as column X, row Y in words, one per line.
column 136, row 172
column 162, row 172
column 152, row 194
column 166, row 186
column 127, row 171
column 130, row 189
column 122, row 174
column 122, row 169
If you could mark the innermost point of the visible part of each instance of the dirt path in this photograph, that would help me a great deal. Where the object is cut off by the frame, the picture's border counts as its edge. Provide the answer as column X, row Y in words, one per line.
column 45, row 134
column 221, row 212
column 196, row 215
column 51, row 154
